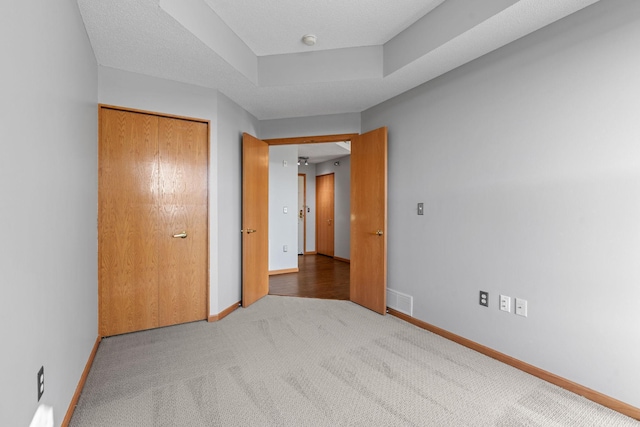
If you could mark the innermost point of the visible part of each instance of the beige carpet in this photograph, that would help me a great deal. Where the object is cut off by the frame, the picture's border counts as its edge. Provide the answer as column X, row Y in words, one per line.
column 307, row 362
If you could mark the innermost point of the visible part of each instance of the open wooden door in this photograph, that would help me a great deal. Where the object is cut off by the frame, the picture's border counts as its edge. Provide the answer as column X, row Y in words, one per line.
column 369, row 220
column 255, row 219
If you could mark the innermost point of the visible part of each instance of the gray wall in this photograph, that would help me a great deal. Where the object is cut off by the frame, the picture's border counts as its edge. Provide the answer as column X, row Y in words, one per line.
column 48, row 185
column 283, row 191
column 528, row 162
column 342, row 203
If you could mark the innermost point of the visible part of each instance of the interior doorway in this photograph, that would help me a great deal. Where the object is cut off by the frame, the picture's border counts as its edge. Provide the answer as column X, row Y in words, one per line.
column 320, row 272
column 368, row 214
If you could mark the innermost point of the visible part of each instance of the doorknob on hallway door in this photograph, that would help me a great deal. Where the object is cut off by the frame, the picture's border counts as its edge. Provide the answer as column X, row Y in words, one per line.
column 182, row 235
column 248, row 230
column 378, row 233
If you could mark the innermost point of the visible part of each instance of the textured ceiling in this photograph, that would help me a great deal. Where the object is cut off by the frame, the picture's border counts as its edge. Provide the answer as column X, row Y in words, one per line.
column 141, row 36
column 271, row 28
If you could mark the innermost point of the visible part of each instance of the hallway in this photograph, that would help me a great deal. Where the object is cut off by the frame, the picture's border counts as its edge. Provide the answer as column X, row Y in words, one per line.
column 319, row 276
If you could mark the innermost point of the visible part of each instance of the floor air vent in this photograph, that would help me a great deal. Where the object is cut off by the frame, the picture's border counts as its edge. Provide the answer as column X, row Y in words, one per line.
column 400, row 302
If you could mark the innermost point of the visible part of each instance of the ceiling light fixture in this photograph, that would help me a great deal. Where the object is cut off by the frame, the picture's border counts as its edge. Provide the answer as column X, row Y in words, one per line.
column 303, row 159
column 309, row 39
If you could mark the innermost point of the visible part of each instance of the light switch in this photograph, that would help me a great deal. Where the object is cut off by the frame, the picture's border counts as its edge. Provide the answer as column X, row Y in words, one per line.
column 285, row 210
column 521, row 307
column 420, row 208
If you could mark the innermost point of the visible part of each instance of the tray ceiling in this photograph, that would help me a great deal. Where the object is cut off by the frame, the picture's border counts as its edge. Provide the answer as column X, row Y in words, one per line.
column 367, row 51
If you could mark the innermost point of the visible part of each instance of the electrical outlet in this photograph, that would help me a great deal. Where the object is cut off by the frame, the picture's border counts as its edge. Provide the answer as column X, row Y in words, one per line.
column 484, row 298
column 40, row 383
column 505, row 303
column 521, row 307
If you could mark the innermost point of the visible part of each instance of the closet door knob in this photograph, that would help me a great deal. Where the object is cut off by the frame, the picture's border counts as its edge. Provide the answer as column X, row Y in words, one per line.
column 182, row 235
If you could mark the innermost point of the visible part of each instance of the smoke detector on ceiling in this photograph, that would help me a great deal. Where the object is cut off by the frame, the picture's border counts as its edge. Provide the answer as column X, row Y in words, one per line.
column 309, row 39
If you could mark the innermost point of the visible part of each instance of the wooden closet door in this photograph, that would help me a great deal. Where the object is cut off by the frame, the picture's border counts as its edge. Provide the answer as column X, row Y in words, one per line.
column 127, row 222
column 325, row 201
column 152, row 185
column 183, row 154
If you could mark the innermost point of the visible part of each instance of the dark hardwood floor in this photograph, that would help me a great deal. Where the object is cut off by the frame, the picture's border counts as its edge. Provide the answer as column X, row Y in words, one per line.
column 319, row 276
